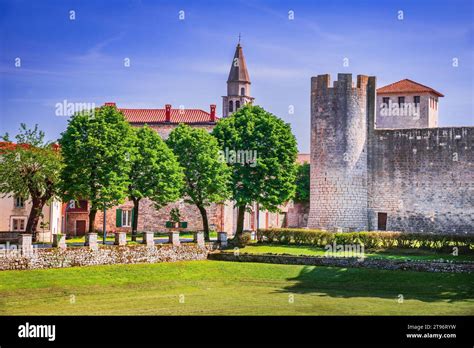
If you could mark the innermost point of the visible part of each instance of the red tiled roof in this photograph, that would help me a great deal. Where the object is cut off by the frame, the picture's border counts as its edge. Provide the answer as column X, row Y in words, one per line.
column 407, row 86
column 8, row 146
column 158, row 115
column 189, row 116
column 303, row 158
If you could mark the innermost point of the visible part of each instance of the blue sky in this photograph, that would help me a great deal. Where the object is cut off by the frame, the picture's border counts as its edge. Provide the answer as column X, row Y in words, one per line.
column 186, row 62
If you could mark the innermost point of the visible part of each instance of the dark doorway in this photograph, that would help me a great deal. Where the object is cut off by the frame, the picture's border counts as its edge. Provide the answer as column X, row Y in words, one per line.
column 80, row 227
column 382, row 221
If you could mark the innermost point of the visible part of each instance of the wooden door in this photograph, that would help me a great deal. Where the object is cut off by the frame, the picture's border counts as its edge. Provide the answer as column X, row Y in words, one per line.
column 382, row 221
column 80, row 227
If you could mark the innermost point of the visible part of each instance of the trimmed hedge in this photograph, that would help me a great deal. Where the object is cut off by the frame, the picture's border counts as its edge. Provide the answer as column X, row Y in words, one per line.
column 370, row 240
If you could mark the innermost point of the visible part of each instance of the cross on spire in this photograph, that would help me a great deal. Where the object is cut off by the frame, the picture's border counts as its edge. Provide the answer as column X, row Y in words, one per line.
column 239, row 38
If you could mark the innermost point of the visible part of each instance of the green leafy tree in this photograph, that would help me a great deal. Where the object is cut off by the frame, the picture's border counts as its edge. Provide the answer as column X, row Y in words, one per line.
column 302, row 183
column 30, row 169
column 97, row 149
column 206, row 175
column 261, row 150
column 155, row 172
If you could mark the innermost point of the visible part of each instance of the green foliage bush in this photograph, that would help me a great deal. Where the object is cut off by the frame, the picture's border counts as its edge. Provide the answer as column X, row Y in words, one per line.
column 302, row 182
column 370, row 240
column 175, row 215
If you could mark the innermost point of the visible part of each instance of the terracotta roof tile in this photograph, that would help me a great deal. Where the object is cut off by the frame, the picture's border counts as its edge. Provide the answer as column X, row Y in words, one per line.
column 303, row 158
column 189, row 116
column 407, row 86
column 158, row 115
column 9, row 146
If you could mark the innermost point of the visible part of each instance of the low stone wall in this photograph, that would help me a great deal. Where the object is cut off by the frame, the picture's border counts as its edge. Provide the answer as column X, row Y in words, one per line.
column 7, row 236
column 422, row 266
column 12, row 237
column 105, row 255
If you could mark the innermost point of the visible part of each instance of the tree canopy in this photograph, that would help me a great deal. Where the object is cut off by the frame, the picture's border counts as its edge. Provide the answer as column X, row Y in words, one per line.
column 30, row 169
column 155, row 172
column 206, row 175
column 97, row 148
column 261, row 151
column 302, row 183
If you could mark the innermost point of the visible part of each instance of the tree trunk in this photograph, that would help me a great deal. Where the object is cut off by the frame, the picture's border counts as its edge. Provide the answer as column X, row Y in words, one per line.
column 240, row 220
column 92, row 214
column 136, row 204
column 33, row 218
column 205, row 223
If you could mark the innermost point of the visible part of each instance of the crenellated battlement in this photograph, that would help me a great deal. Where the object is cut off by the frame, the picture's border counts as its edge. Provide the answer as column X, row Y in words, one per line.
column 321, row 84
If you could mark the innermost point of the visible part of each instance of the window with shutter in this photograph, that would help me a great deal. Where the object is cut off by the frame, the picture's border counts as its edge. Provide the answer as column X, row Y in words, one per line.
column 118, row 220
column 126, row 218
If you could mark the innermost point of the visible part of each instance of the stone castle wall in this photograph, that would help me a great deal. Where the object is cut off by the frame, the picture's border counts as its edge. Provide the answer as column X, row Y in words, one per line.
column 339, row 153
column 423, row 179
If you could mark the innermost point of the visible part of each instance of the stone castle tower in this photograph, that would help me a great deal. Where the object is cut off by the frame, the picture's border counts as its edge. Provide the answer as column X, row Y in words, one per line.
column 414, row 179
column 238, row 84
column 340, row 122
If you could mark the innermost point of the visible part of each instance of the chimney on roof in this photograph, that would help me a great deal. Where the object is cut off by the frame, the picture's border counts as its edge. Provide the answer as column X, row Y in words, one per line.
column 110, row 104
column 168, row 112
column 213, row 113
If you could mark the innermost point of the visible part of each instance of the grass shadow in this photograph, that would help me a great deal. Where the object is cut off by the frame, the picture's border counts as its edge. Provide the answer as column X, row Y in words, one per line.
column 357, row 282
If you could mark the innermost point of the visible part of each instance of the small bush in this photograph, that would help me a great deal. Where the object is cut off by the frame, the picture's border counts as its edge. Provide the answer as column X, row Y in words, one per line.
column 370, row 240
column 245, row 238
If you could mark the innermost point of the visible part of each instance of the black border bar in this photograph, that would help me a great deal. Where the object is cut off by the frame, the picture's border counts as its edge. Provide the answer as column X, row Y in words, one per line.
column 206, row 330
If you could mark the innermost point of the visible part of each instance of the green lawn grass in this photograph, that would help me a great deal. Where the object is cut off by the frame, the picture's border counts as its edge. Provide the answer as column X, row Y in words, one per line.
column 397, row 254
column 230, row 288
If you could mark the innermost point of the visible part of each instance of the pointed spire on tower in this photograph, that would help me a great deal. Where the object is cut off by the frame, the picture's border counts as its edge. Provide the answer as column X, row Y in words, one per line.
column 238, row 84
column 238, row 70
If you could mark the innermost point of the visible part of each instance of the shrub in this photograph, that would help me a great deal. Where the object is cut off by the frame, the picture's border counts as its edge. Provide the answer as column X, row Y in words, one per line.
column 370, row 240
column 245, row 238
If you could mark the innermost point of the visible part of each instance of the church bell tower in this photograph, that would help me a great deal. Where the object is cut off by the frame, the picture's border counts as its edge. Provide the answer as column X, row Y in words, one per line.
column 238, row 84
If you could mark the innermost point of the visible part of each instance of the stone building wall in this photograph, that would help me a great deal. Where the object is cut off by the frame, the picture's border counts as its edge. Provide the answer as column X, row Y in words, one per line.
column 164, row 129
column 427, row 116
column 275, row 219
column 70, row 223
column 297, row 215
column 9, row 212
column 151, row 219
column 339, row 152
column 423, row 179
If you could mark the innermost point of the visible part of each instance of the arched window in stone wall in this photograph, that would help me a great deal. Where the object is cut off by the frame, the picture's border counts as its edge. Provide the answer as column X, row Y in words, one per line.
column 242, row 91
column 231, row 106
column 237, row 105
